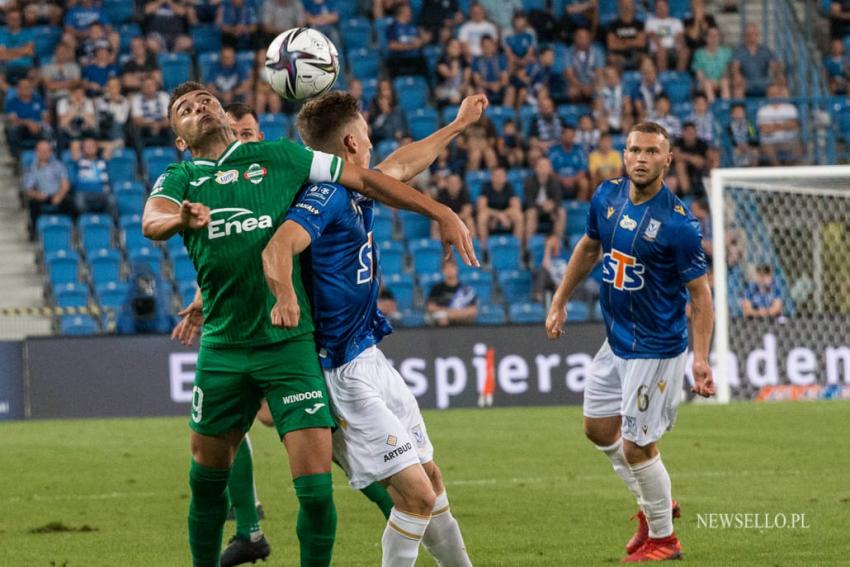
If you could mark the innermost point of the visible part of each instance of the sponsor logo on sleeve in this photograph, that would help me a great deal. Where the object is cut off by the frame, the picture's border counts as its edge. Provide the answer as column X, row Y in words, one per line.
column 319, row 194
column 255, row 173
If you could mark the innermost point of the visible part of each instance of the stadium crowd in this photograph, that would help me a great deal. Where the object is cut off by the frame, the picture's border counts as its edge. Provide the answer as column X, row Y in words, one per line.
column 86, row 85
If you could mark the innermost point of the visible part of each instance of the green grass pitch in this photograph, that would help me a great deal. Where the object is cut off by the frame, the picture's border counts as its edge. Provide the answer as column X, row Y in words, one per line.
column 526, row 486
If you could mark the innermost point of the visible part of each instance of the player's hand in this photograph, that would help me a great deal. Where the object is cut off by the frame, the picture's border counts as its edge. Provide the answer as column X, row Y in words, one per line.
column 189, row 327
column 286, row 312
column 703, row 379
column 471, row 109
column 453, row 232
column 555, row 322
column 194, row 215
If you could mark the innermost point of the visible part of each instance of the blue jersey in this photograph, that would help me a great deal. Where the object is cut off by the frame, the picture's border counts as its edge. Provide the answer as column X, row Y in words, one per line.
column 650, row 252
column 340, row 271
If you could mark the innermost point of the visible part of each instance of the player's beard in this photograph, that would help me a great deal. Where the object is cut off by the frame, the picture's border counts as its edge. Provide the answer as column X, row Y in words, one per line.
column 208, row 132
column 641, row 186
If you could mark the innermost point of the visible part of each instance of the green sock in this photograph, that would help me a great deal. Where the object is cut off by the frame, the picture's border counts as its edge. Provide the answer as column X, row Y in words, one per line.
column 379, row 495
column 316, row 525
column 207, row 513
column 242, row 495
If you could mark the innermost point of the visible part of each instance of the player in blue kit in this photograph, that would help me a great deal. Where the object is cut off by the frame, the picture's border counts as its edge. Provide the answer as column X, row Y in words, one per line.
column 383, row 435
column 652, row 259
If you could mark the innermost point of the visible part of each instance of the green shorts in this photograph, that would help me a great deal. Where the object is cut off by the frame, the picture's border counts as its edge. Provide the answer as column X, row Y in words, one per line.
column 230, row 382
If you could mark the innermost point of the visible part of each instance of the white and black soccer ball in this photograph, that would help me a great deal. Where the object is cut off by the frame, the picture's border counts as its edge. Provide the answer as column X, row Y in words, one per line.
column 301, row 63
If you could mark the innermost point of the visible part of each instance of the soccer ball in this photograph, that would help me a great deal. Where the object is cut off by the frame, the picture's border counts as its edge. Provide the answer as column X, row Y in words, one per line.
column 301, row 63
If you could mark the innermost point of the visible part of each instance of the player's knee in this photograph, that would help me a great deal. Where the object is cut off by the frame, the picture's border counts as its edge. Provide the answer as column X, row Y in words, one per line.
column 636, row 454
column 600, row 434
column 418, row 498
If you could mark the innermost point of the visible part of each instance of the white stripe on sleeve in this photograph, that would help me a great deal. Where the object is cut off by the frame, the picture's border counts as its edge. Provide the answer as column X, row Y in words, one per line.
column 325, row 167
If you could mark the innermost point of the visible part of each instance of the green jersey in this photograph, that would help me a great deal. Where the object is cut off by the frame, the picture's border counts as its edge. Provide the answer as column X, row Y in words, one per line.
column 248, row 189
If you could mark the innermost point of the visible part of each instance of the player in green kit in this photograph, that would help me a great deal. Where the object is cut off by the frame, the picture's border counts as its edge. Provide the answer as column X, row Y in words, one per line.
column 227, row 203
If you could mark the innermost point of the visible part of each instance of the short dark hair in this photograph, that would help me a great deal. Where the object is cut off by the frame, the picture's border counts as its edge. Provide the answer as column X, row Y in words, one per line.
column 239, row 110
column 650, row 128
column 182, row 89
column 764, row 269
column 320, row 119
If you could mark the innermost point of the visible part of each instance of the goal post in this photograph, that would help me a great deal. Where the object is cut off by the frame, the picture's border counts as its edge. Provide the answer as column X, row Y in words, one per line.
column 792, row 223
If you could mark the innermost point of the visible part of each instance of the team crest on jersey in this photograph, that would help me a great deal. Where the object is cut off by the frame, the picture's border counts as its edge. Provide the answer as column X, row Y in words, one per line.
column 255, row 173
column 622, row 271
column 680, row 209
column 226, row 177
column 609, row 213
column 651, row 231
column 628, row 223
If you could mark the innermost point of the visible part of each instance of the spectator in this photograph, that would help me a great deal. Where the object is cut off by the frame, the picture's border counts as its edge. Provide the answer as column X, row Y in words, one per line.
column 440, row 16
column 551, row 270
column 569, row 161
column 103, row 69
column 479, row 143
column 204, row 11
column 604, row 162
column 711, row 66
column 520, row 42
column 167, row 26
column 475, row 29
column 626, row 38
column 385, row 116
column 277, row 16
column 546, row 126
column 583, row 67
column 141, row 65
column 578, row 14
column 509, row 146
column 532, row 80
column 703, row 119
column 42, row 13
column 323, row 16
column 238, row 21
column 228, row 80
column 779, row 128
column 743, row 136
column 113, row 112
column 499, row 210
column 91, row 184
column 46, row 186
column 839, row 19
column 76, row 119
column 265, row 99
column 388, row 305
column 444, row 165
column 451, row 302
column 702, row 213
column 501, row 12
column 587, row 134
column 666, row 38
column 692, row 160
column 454, row 75
column 543, row 210
column 698, row 26
column 455, row 196
column 490, row 72
column 642, row 97
column 17, row 48
column 26, row 119
column 58, row 77
column 762, row 299
column 79, row 18
column 612, row 106
column 405, row 42
column 663, row 117
column 753, row 65
column 150, row 115
column 95, row 39
column 837, row 67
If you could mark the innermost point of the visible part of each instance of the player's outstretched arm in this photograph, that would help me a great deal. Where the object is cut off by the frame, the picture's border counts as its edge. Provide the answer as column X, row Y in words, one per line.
column 581, row 263
column 409, row 161
column 290, row 240
column 375, row 185
column 702, row 317
column 163, row 218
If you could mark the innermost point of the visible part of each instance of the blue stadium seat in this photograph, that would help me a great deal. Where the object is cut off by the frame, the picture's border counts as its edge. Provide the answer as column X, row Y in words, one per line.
column 364, row 63
column 427, row 255
column 62, row 267
column 119, row 11
column 175, row 246
column 537, row 248
column 412, row 318
column 515, row 284
column 475, row 181
column 432, row 54
column 526, row 313
column 412, row 92
column 530, row 5
column 206, row 63
column 274, row 125
column 498, row 115
column 55, row 232
column 131, row 232
column 427, row 281
column 608, row 11
column 356, row 33
column 678, row 86
column 578, row 311
column 481, row 282
column 156, row 160
column 121, row 168
column 176, row 68
column 517, row 177
column 526, row 115
column 104, row 265
column 384, row 149
column 246, row 60
column 45, row 39
column 111, row 295
column 570, row 113
column 392, row 256
column 205, row 39
column 95, row 231
column 77, row 325
column 680, row 9
column 382, row 230
column 186, row 290
column 127, row 32
column 576, row 217
column 150, row 256
column 183, row 268
column 401, row 286
column 130, row 200
column 504, row 253
column 381, row 25
column 370, row 89
column 422, row 122
column 490, row 314
column 449, row 113
column 414, row 226
column 71, row 295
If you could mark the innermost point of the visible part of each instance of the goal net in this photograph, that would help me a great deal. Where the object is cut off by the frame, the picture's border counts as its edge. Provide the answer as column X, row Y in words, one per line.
column 781, row 262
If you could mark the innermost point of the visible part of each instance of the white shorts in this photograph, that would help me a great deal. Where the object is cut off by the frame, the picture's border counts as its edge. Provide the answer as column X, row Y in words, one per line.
column 381, row 431
column 644, row 391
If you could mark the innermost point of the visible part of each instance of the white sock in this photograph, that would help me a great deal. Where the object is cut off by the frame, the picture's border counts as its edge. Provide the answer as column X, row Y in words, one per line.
column 401, row 539
column 621, row 467
column 443, row 539
column 656, row 495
